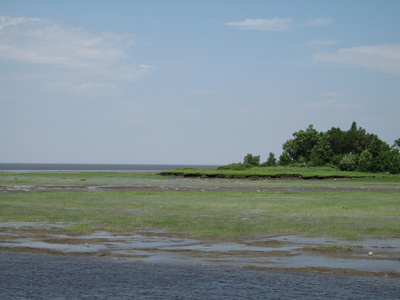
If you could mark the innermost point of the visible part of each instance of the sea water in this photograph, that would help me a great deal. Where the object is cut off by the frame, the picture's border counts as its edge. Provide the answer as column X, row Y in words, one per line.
column 41, row 276
column 24, row 167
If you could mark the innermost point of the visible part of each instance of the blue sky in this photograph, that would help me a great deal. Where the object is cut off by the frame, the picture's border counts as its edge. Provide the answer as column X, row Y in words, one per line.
column 191, row 82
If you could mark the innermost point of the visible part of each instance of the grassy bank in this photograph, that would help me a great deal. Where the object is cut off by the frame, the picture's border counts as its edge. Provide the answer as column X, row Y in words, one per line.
column 275, row 172
column 346, row 215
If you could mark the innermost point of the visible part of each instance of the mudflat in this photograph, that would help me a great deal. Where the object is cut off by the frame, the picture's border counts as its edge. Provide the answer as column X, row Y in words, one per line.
column 159, row 243
column 271, row 252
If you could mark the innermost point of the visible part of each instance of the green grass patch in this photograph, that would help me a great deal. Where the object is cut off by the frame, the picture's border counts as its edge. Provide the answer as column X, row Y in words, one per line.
column 277, row 172
column 344, row 215
column 76, row 178
column 80, row 228
column 122, row 178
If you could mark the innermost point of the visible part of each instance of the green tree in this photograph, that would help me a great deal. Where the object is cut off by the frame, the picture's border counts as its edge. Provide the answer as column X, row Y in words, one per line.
column 374, row 144
column 396, row 144
column 252, row 160
column 322, row 152
column 302, row 144
column 388, row 161
column 365, row 162
column 336, row 138
column 271, row 161
column 355, row 139
column 285, row 159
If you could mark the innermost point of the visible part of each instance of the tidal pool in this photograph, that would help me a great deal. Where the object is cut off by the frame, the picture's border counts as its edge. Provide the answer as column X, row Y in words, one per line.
column 273, row 252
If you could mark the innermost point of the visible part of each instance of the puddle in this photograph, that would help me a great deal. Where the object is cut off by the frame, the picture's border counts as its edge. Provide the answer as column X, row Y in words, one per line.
column 283, row 251
column 65, row 248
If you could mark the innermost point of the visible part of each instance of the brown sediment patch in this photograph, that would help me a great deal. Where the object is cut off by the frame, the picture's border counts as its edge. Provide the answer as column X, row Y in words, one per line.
column 247, row 253
column 250, row 176
column 323, row 270
column 72, row 241
column 52, row 251
column 127, row 256
column 156, row 188
column 269, row 243
column 273, row 252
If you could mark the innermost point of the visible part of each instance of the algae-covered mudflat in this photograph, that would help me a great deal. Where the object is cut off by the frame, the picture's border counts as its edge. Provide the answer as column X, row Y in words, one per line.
column 90, row 208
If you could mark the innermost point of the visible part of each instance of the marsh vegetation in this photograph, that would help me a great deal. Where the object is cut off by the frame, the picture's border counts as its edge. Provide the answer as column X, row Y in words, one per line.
column 200, row 212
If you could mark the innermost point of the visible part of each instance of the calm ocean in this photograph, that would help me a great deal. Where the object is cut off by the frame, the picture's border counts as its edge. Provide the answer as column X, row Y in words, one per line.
column 37, row 276
column 95, row 167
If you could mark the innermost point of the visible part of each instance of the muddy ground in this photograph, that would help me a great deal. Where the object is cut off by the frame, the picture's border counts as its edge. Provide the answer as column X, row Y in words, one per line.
column 160, row 188
column 280, row 252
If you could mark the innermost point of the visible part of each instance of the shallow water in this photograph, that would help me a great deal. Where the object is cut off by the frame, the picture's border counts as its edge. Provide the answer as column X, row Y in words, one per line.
column 152, row 246
column 38, row 276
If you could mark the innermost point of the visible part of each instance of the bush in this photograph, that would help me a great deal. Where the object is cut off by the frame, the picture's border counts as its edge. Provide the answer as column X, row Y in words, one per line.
column 389, row 161
column 235, row 166
column 365, row 162
column 348, row 162
column 252, row 160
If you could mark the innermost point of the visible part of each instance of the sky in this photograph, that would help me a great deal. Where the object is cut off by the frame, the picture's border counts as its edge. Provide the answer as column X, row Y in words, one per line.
column 191, row 82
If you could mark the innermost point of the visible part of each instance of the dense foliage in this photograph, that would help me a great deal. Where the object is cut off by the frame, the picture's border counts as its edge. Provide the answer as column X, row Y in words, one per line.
column 351, row 150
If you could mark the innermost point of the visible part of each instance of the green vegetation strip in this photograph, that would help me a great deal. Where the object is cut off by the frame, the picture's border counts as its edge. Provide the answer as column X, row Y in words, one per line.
column 346, row 215
column 373, row 180
column 275, row 172
column 75, row 178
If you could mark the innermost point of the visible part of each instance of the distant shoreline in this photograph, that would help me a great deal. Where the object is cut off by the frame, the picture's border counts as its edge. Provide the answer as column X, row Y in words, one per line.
column 49, row 167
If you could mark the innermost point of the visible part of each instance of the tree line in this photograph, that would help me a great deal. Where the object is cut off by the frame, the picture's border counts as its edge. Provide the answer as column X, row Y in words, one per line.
column 351, row 150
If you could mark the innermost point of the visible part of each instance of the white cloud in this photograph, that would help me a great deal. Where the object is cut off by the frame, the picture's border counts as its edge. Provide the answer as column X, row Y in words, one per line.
column 43, row 43
column 322, row 43
column 145, row 67
column 385, row 58
column 277, row 24
column 7, row 21
column 319, row 22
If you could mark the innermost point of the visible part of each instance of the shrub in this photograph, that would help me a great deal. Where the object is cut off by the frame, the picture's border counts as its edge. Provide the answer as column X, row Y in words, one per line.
column 365, row 162
column 252, row 160
column 348, row 162
column 235, row 166
column 389, row 161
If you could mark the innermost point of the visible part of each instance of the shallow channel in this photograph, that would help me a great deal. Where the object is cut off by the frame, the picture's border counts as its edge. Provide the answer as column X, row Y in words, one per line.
column 40, row 276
